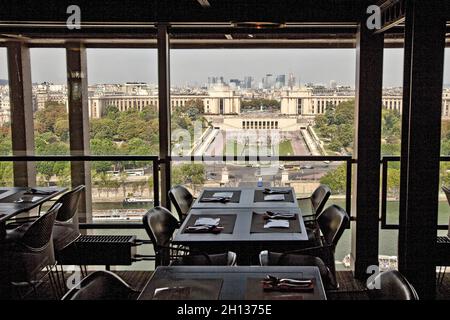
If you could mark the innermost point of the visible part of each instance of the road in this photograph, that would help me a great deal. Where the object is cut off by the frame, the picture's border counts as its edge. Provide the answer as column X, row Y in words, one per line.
column 241, row 175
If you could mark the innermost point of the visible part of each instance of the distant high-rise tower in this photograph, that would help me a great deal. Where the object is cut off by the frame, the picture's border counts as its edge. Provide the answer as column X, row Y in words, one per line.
column 248, row 80
column 280, row 81
column 291, row 80
column 333, row 84
column 268, row 81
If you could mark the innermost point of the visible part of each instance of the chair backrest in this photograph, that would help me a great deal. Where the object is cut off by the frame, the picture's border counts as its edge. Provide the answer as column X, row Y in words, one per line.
column 69, row 204
column 160, row 225
column 101, row 285
column 448, row 233
column 182, row 200
column 447, row 193
column 39, row 233
column 332, row 222
column 219, row 259
column 319, row 198
column 393, row 286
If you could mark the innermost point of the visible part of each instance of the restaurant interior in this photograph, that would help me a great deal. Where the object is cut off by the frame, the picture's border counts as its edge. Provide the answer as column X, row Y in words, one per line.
column 255, row 241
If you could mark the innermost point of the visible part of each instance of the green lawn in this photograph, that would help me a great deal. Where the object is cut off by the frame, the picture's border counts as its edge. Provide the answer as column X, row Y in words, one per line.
column 230, row 147
column 286, row 148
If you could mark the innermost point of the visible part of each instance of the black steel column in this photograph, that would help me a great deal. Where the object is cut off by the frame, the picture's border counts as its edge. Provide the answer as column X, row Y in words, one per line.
column 77, row 85
column 405, row 130
column 21, row 101
column 366, row 176
column 164, row 111
column 420, row 175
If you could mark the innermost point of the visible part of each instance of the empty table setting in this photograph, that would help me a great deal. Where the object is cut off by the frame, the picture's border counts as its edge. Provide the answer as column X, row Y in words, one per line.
column 248, row 222
column 245, row 198
column 14, row 201
column 234, row 283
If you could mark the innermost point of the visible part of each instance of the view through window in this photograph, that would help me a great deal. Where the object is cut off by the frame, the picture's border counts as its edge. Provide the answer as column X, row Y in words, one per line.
column 123, row 106
column 50, row 113
column 265, row 102
column 6, row 168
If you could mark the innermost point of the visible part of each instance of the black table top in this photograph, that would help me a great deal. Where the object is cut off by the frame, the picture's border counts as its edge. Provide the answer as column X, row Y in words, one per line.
column 236, row 281
column 242, row 227
column 246, row 200
column 9, row 208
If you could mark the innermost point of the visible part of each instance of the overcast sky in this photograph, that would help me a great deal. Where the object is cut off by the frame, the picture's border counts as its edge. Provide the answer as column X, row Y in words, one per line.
column 195, row 66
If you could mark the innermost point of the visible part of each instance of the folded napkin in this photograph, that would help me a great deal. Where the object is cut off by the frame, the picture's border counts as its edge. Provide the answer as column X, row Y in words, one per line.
column 274, row 197
column 27, row 199
column 275, row 191
column 276, row 223
column 207, row 222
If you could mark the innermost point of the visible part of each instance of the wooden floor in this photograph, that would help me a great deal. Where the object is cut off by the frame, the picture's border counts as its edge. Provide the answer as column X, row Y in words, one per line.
column 349, row 288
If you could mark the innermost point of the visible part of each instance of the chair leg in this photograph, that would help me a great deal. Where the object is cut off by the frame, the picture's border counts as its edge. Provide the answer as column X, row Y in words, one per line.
column 55, row 289
column 33, row 285
column 58, row 280
column 63, row 279
column 442, row 277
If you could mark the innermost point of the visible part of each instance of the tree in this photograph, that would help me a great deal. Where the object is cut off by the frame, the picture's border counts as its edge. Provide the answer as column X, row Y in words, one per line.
column 6, row 174
column 47, row 118
column 393, row 181
column 189, row 173
column 336, row 179
column 337, row 125
column 102, row 147
column 123, row 177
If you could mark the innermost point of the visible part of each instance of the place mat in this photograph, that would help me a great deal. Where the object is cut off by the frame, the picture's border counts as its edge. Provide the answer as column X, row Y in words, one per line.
column 259, row 197
column 258, row 223
column 227, row 221
column 185, row 289
column 210, row 193
column 255, row 291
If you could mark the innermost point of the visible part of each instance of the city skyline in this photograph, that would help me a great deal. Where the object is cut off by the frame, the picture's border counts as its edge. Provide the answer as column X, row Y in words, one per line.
column 194, row 66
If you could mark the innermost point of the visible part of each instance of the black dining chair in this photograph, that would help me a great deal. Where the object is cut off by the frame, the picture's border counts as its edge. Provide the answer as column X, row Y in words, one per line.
column 332, row 223
column 391, row 285
column 101, row 285
column 27, row 250
column 315, row 203
column 182, row 200
column 160, row 225
column 267, row 258
column 65, row 228
column 220, row 259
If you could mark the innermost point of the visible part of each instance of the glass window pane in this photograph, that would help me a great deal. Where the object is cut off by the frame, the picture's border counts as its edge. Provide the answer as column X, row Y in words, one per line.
column 123, row 106
column 6, row 170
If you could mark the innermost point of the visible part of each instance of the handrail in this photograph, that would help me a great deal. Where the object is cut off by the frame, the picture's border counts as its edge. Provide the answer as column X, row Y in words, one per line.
column 157, row 160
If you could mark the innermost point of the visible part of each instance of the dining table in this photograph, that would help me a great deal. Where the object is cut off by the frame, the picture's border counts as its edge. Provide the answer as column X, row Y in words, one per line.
column 243, row 222
column 233, row 283
column 17, row 200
